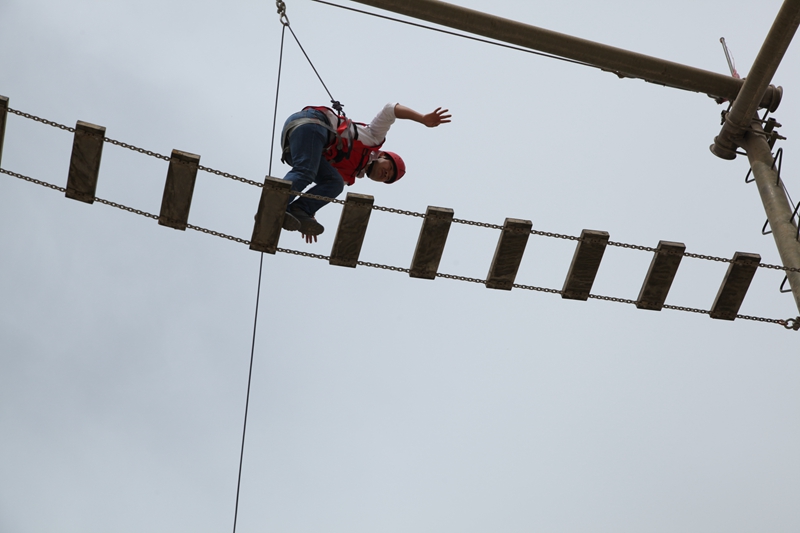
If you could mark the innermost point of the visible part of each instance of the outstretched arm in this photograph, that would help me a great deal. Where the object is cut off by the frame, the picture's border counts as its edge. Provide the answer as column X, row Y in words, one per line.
column 432, row 119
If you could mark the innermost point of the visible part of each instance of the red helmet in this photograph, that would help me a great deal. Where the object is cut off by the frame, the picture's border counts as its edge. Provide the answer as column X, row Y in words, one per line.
column 399, row 166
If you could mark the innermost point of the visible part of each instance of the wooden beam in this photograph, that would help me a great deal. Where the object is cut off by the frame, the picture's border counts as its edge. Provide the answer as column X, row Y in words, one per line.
column 352, row 229
column 178, row 190
column 84, row 165
column 431, row 241
column 734, row 287
column 270, row 214
column 3, row 118
column 508, row 254
column 585, row 263
column 660, row 275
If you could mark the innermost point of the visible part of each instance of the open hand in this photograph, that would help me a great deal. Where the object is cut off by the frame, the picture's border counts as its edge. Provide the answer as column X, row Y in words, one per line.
column 310, row 238
column 438, row 116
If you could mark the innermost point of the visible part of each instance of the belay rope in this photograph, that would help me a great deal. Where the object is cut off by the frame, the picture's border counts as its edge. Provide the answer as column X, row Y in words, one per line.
column 339, row 107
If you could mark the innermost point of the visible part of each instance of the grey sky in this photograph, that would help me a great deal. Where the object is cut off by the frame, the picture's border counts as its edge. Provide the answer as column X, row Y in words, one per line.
column 381, row 402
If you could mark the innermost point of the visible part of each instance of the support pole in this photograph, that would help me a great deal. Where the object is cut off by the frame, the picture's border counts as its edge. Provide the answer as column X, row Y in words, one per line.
column 776, row 205
column 624, row 63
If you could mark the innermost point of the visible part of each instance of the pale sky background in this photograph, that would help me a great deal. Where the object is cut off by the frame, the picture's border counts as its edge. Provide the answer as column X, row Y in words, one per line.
column 381, row 402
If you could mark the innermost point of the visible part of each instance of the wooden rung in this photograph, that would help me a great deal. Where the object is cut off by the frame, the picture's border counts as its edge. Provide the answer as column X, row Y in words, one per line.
column 178, row 190
column 508, row 254
column 352, row 229
column 659, row 277
column 3, row 118
column 269, row 217
column 734, row 287
column 431, row 241
column 84, row 165
column 585, row 264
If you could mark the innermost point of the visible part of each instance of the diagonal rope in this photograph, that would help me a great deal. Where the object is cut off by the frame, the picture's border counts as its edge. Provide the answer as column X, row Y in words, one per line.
column 258, row 294
column 286, row 24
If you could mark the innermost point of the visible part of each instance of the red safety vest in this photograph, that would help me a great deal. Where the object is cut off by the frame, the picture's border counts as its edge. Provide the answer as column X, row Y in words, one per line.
column 348, row 155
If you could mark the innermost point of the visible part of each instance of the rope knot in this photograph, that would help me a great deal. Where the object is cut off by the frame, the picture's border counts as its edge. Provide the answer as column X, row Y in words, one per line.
column 338, row 106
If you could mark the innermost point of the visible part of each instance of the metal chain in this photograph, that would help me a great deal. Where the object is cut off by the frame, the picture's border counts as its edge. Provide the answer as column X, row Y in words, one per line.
column 791, row 323
column 137, row 149
column 612, row 299
column 539, row 289
column 37, row 182
column 42, row 120
column 393, row 210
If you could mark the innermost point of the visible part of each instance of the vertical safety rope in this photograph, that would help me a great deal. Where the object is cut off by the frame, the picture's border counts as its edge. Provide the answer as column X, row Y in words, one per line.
column 260, row 271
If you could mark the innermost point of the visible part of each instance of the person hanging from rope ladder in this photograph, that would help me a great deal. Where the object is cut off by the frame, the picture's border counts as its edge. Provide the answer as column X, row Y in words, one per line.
column 328, row 149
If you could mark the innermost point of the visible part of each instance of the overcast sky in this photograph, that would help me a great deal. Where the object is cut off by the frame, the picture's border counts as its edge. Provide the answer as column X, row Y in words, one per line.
column 381, row 402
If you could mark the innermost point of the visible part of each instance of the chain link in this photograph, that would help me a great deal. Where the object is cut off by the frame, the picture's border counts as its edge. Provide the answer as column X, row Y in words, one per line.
column 400, row 211
column 686, row 309
column 229, row 176
column 554, row 235
column 37, row 182
column 282, row 11
column 460, row 278
column 137, row 149
column 630, row 246
column 42, row 120
column 612, row 299
column 539, row 289
column 478, row 224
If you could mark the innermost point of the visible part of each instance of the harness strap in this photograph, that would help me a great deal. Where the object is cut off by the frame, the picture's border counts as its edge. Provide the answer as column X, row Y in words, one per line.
column 290, row 127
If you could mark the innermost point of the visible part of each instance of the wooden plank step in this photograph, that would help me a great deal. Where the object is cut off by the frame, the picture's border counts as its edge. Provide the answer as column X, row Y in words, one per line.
column 508, row 254
column 734, row 287
column 269, row 217
column 431, row 241
column 178, row 190
column 84, row 165
column 585, row 263
column 3, row 119
column 660, row 275
column 352, row 229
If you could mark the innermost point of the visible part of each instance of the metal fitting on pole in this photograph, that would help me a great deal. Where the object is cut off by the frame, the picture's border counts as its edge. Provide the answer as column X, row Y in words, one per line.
column 744, row 108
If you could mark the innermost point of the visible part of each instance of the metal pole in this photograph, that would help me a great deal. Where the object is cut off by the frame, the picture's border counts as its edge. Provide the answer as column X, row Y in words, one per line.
column 779, row 211
column 624, row 63
column 769, row 57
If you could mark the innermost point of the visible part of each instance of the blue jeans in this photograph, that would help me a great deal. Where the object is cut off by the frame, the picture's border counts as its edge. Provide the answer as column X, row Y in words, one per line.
column 306, row 145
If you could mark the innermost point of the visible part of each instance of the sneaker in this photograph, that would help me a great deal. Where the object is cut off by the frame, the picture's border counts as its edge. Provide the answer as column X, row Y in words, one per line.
column 308, row 224
column 290, row 222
